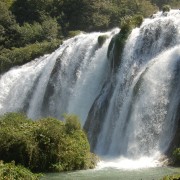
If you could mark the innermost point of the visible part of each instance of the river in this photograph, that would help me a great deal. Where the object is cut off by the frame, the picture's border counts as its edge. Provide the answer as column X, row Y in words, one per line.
column 156, row 173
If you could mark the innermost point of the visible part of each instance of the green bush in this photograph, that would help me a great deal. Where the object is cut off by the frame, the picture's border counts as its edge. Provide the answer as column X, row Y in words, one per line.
column 176, row 156
column 29, row 33
column 72, row 123
column 46, row 144
column 19, row 56
column 10, row 171
column 50, row 29
column 73, row 33
column 172, row 177
column 166, row 8
column 17, row 142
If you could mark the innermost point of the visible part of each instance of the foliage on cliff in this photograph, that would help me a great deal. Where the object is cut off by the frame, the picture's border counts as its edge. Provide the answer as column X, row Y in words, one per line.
column 176, row 157
column 118, row 41
column 10, row 171
column 160, row 3
column 46, row 144
column 172, row 177
column 24, row 23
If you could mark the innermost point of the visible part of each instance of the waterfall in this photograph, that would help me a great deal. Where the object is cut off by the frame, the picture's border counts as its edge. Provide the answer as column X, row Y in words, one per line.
column 66, row 81
column 129, row 113
column 140, row 118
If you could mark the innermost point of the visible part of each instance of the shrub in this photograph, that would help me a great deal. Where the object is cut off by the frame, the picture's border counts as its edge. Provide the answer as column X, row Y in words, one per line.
column 102, row 40
column 72, row 123
column 130, row 22
column 137, row 20
column 50, row 29
column 46, row 144
column 16, row 140
column 166, row 8
column 11, row 172
column 19, row 56
column 176, row 156
column 29, row 33
column 73, row 33
column 172, row 177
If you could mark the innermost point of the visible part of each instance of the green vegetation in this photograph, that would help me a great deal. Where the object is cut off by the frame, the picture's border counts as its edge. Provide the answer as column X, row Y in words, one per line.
column 73, row 33
column 172, row 177
column 176, row 156
column 10, row 171
column 118, row 41
column 166, row 8
column 26, row 23
column 19, row 56
column 173, row 3
column 46, row 144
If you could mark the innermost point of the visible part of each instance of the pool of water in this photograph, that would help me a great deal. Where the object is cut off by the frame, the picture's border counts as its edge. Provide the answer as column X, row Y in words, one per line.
column 115, row 174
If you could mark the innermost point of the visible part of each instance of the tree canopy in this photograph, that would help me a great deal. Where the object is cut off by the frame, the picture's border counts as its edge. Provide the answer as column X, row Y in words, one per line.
column 26, row 22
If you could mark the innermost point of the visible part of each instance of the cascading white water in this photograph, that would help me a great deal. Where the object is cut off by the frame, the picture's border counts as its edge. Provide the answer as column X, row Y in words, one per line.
column 140, row 111
column 131, row 113
column 67, row 81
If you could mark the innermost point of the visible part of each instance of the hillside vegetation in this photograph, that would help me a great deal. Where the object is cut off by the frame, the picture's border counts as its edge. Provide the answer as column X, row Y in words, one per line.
column 31, row 28
column 45, row 145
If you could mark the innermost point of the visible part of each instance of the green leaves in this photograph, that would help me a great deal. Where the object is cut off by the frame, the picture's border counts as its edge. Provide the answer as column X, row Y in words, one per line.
column 166, row 8
column 11, row 172
column 46, row 144
column 176, row 156
column 72, row 123
column 19, row 56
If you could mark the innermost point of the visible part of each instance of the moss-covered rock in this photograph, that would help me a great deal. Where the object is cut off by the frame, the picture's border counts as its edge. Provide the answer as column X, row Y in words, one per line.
column 118, row 41
column 46, row 144
column 102, row 40
column 73, row 33
column 166, row 8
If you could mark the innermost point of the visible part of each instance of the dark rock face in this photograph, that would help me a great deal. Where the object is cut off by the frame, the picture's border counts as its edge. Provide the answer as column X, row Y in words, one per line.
column 176, row 139
column 97, row 114
column 175, row 143
column 51, row 87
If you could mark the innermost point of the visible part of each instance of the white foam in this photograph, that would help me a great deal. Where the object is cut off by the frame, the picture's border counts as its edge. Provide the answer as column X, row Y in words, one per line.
column 129, row 164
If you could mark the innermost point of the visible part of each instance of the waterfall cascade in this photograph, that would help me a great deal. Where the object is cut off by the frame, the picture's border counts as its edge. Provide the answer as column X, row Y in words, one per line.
column 67, row 80
column 130, row 113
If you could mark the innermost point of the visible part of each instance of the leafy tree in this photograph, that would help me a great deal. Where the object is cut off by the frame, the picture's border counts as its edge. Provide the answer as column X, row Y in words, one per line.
column 6, row 18
column 176, row 156
column 7, row 24
column 11, row 172
column 72, row 123
column 19, row 56
column 47, row 144
column 50, row 28
column 31, row 10
column 27, row 22
column 172, row 3
column 8, row 3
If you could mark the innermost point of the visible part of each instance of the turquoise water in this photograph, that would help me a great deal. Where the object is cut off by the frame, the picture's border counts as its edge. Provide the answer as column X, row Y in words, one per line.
column 115, row 174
